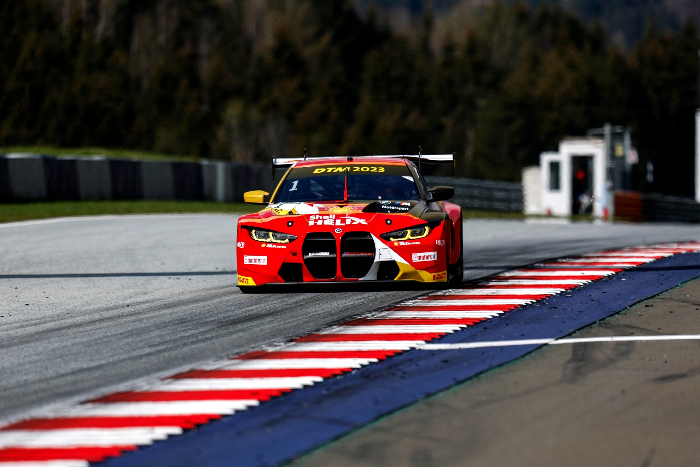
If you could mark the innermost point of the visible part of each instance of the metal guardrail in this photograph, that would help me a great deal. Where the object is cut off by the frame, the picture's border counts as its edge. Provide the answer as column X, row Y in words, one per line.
column 472, row 193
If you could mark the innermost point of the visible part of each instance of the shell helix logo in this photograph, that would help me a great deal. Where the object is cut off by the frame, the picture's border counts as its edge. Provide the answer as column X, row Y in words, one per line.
column 333, row 220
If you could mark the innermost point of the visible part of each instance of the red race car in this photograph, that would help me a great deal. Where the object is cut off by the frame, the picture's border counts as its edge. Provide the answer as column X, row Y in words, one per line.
column 343, row 219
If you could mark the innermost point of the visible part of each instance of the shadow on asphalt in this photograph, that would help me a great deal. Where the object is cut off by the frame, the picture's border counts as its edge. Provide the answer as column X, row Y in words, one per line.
column 335, row 287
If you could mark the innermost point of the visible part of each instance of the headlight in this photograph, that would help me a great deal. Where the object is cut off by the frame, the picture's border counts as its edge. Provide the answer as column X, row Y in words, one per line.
column 407, row 234
column 270, row 236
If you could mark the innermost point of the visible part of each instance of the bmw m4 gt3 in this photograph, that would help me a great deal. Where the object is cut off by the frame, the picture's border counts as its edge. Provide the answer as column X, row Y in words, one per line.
column 336, row 219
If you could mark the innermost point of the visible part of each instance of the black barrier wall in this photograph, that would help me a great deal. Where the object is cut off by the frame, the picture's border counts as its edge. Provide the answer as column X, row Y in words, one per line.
column 33, row 177
column 483, row 194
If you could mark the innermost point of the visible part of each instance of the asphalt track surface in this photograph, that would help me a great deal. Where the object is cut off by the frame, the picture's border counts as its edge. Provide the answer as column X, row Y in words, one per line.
column 88, row 305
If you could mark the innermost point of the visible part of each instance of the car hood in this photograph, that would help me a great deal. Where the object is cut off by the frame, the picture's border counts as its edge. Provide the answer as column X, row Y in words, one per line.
column 414, row 208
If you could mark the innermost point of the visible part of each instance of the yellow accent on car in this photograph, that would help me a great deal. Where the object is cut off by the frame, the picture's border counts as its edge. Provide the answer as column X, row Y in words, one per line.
column 255, row 197
column 409, row 273
column 413, row 233
column 244, row 280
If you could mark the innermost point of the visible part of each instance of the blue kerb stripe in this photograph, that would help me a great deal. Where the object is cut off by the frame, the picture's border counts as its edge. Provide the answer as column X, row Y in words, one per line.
column 295, row 423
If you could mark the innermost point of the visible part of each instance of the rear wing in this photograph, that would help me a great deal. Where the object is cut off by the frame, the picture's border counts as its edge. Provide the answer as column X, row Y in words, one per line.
column 286, row 162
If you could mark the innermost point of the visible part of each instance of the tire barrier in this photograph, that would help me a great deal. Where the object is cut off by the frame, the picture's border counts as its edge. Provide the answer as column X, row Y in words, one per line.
column 61, row 179
column 25, row 177
column 472, row 193
column 94, row 179
column 28, row 177
column 649, row 207
column 5, row 191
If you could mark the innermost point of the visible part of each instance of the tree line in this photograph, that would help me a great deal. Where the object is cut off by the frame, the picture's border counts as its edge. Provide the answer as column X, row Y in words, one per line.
column 247, row 80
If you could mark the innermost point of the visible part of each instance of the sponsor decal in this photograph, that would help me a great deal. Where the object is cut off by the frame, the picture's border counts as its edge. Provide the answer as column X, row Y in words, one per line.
column 391, row 207
column 385, row 254
column 440, row 276
column 274, row 245
column 341, row 209
column 406, row 243
column 244, row 280
column 358, row 253
column 333, row 220
column 283, row 209
column 349, row 168
column 338, row 230
column 440, row 242
column 240, row 244
column 255, row 260
column 319, row 253
column 427, row 256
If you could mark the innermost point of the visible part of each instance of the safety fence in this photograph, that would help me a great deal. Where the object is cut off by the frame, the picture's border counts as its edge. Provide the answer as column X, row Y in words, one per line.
column 27, row 177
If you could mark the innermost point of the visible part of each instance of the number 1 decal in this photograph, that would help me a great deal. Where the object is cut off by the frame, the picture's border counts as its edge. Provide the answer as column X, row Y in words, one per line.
column 294, row 185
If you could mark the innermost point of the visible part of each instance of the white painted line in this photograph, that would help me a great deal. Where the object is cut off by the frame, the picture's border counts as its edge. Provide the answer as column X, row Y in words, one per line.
column 548, row 280
column 295, row 363
column 436, row 314
column 349, row 346
column 572, row 272
column 632, row 254
column 577, row 265
column 135, row 409
column 84, row 437
column 397, row 329
column 606, row 259
column 627, row 339
column 477, row 345
column 59, row 220
column 523, row 292
column 467, row 302
column 213, row 384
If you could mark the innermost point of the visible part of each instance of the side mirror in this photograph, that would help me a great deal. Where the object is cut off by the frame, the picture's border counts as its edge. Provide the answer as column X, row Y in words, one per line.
column 441, row 193
column 255, row 197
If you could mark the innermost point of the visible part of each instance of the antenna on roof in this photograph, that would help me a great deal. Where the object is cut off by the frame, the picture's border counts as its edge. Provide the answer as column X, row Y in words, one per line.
column 420, row 156
column 305, row 153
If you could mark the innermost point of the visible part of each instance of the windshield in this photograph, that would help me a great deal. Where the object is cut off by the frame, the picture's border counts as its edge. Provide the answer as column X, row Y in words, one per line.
column 364, row 182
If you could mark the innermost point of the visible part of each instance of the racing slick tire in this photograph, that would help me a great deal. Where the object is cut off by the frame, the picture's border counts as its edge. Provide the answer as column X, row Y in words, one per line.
column 455, row 272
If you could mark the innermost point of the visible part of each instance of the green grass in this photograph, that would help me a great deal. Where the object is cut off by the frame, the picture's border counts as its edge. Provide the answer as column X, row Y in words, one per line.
column 47, row 209
column 109, row 153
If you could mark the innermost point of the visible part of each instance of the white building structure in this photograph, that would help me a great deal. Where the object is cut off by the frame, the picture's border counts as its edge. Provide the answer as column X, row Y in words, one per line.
column 574, row 179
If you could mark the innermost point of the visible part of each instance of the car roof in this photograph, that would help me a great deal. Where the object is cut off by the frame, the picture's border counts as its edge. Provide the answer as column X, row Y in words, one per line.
column 316, row 161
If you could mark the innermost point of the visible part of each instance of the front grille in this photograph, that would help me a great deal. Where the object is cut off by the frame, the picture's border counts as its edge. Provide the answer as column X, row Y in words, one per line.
column 356, row 254
column 319, row 255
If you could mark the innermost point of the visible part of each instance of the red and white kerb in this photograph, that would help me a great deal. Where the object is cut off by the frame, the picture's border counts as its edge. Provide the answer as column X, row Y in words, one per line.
column 107, row 426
